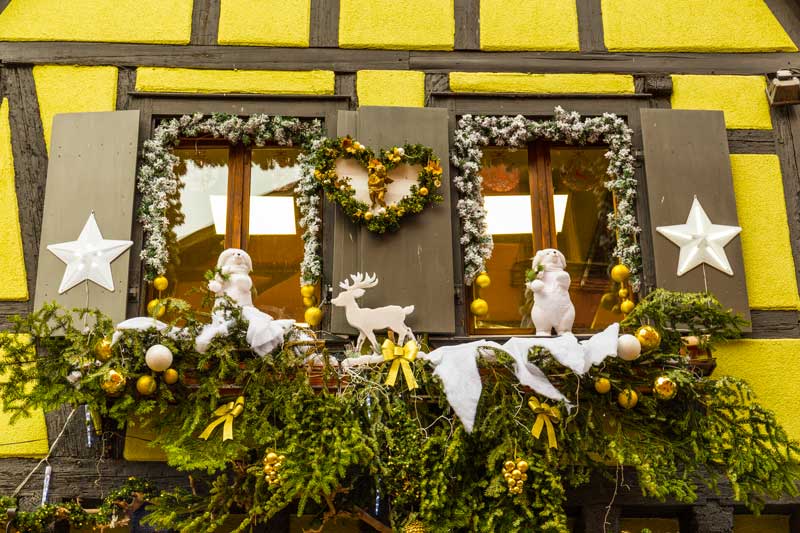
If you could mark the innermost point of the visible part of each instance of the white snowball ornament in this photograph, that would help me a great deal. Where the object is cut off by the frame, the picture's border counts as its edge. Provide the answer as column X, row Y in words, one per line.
column 628, row 347
column 158, row 358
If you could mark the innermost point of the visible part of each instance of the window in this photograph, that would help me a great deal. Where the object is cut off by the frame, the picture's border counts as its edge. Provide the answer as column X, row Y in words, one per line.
column 547, row 196
column 239, row 197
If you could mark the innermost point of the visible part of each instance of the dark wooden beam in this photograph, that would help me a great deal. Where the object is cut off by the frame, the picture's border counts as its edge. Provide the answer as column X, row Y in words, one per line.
column 347, row 60
column 30, row 162
column 205, row 22
column 346, row 87
column 786, row 121
column 768, row 324
column 436, row 83
column 324, row 30
column 4, row 5
column 788, row 14
column 467, row 20
column 126, row 84
column 590, row 26
column 751, row 141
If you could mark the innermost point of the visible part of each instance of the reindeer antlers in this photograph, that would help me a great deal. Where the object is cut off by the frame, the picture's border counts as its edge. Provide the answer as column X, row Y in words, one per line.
column 360, row 281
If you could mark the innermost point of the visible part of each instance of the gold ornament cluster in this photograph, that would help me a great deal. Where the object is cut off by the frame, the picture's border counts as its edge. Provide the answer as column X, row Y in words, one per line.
column 313, row 314
column 272, row 466
column 156, row 307
column 479, row 307
column 515, row 474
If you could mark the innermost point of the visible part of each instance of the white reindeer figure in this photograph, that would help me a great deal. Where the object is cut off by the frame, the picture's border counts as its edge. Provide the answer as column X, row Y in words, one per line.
column 366, row 320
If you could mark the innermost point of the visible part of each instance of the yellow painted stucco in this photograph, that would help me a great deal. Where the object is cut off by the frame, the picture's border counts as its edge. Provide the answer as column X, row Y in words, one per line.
column 760, row 204
column 692, row 26
column 185, row 80
column 761, row 524
column 131, row 21
column 137, row 443
column 530, row 25
column 518, row 82
column 27, row 437
column 743, row 99
column 390, row 88
column 394, row 25
column 264, row 22
column 69, row 89
column 13, row 280
column 766, row 364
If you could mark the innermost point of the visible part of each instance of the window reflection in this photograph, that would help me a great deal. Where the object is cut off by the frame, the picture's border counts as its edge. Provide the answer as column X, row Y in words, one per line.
column 275, row 237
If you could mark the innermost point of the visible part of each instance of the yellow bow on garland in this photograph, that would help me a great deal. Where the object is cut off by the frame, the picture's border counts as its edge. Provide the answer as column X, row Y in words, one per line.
column 226, row 414
column 545, row 416
column 400, row 356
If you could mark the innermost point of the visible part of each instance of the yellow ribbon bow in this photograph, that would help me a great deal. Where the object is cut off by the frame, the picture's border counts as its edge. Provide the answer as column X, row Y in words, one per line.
column 226, row 414
column 400, row 356
column 545, row 416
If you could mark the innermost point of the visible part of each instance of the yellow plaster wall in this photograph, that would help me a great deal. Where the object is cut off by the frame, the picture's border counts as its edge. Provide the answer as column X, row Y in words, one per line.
column 397, row 25
column 761, row 206
column 518, row 82
column 131, row 21
column 264, row 22
column 69, row 89
column 390, row 88
column 27, row 437
column 185, row 80
column 692, row 26
column 137, row 443
column 530, row 25
column 743, row 99
column 766, row 364
column 13, row 279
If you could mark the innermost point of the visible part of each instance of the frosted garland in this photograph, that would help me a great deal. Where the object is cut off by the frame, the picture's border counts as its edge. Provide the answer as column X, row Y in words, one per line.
column 476, row 132
column 159, row 185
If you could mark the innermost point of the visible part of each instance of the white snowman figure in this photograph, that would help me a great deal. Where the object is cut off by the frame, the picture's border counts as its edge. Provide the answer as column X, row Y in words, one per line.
column 552, row 306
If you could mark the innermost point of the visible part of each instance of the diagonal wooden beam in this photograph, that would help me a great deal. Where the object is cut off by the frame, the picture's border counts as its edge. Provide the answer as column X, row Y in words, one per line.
column 788, row 14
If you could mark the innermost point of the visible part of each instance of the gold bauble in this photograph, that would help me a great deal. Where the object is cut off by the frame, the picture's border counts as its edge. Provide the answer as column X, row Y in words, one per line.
column 483, row 280
column 281, row 458
column 522, row 465
column 516, row 474
column 170, row 376
column 602, row 385
column 423, row 191
column 146, row 385
column 307, row 291
column 479, row 307
column 113, row 383
column 102, row 350
column 628, row 399
column 414, row 527
column 156, row 308
column 608, row 300
column 271, row 457
column 620, row 273
column 308, row 302
column 161, row 283
column 509, row 466
column 368, row 216
column 626, row 306
column 648, row 337
column 313, row 316
column 623, row 293
column 664, row 388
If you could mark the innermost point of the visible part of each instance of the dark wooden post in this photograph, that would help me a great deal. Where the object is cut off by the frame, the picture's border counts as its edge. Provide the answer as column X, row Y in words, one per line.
column 713, row 517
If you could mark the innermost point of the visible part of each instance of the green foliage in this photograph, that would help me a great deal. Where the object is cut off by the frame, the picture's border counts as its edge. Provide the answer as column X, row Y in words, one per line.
column 359, row 438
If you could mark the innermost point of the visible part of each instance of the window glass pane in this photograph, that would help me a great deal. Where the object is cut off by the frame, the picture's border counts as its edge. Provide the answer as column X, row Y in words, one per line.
column 198, row 221
column 655, row 525
column 507, row 198
column 582, row 205
column 275, row 242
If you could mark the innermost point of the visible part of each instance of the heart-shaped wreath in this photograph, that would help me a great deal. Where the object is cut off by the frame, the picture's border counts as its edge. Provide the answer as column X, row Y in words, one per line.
column 377, row 216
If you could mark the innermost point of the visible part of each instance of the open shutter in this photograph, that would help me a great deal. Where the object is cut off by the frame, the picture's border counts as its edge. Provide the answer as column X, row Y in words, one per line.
column 92, row 167
column 414, row 264
column 686, row 155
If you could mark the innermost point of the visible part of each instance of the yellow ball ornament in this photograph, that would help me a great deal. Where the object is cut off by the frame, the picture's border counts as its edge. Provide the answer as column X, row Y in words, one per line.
column 620, row 273
column 113, row 383
column 156, row 308
column 102, row 350
column 368, row 216
column 664, row 388
column 648, row 337
column 307, row 291
column 313, row 316
column 479, row 307
column 423, row 191
column 628, row 399
column 161, row 283
column 626, row 306
column 623, row 293
column 483, row 280
column 170, row 376
column 602, row 385
column 146, row 385
column 308, row 302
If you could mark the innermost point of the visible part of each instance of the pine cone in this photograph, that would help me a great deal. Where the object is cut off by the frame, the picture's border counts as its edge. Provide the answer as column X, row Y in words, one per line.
column 414, row 527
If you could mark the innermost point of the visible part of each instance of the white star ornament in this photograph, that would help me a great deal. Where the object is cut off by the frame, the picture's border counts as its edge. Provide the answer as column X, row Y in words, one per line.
column 89, row 257
column 700, row 241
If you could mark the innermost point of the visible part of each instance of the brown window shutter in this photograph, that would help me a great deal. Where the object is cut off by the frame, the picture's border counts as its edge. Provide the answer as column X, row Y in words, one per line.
column 686, row 155
column 92, row 166
column 414, row 264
